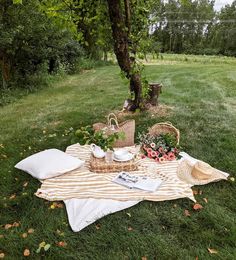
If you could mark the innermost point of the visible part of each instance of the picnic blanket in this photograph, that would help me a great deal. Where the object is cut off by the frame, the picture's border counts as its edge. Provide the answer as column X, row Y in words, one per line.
column 90, row 196
column 83, row 212
column 82, row 183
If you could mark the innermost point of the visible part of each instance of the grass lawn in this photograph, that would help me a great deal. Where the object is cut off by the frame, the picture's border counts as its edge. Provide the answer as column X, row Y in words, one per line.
column 202, row 95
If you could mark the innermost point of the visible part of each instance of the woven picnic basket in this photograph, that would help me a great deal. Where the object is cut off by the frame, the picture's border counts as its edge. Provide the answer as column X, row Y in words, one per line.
column 112, row 126
column 164, row 128
column 101, row 166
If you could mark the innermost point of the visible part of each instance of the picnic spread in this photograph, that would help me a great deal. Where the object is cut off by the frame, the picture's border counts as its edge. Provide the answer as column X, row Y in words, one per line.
column 112, row 174
column 82, row 183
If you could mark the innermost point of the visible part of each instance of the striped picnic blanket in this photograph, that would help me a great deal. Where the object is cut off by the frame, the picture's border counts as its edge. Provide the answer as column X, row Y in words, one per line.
column 82, row 183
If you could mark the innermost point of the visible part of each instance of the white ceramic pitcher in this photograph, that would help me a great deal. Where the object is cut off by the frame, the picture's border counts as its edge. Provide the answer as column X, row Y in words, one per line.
column 97, row 151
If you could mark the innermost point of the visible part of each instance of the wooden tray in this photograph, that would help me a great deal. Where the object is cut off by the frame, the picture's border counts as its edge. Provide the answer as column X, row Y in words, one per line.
column 101, row 166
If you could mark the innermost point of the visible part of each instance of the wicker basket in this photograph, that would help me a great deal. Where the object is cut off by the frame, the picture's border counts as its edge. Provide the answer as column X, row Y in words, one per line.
column 127, row 127
column 164, row 128
column 101, row 166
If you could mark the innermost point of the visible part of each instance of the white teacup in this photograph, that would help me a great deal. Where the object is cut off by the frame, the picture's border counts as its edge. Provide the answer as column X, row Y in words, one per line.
column 121, row 154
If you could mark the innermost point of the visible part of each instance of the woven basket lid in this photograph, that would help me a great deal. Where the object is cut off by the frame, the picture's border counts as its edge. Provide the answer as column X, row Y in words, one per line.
column 199, row 173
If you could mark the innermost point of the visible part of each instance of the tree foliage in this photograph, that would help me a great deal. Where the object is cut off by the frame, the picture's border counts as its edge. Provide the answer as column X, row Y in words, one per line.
column 43, row 35
column 31, row 41
column 190, row 26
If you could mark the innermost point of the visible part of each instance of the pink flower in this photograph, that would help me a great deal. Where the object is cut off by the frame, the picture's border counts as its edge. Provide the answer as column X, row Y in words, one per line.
column 157, row 159
column 143, row 156
column 153, row 154
column 171, row 156
column 149, row 150
column 161, row 150
column 176, row 150
column 165, row 156
column 150, row 155
column 153, row 145
column 162, row 160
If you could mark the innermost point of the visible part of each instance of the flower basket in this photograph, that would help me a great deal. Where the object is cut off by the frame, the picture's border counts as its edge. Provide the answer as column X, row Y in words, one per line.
column 164, row 128
column 160, row 143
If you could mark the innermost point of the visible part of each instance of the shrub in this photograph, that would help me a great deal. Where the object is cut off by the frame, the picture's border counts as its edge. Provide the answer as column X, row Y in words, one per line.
column 32, row 45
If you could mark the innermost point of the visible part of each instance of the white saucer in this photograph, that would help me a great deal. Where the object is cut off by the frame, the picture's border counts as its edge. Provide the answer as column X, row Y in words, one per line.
column 129, row 157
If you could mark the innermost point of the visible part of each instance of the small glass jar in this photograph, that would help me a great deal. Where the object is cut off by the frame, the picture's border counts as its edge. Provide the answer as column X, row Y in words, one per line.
column 109, row 156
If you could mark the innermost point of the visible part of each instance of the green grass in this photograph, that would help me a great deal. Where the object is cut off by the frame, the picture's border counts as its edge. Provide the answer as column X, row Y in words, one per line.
column 203, row 95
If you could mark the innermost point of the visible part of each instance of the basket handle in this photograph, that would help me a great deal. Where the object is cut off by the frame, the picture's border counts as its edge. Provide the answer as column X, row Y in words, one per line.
column 112, row 117
column 167, row 122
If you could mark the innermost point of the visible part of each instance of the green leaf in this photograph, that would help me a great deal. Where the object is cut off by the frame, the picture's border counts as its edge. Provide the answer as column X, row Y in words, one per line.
column 17, row 2
column 47, row 246
column 42, row 244
column 38, row 250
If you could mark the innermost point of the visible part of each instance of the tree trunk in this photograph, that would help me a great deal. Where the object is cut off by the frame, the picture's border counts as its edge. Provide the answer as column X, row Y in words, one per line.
column 5, row 68
column 105, row 58
column 136, row 87
column 154, row 92
column 127, row 15
column 119, row 34
column 121, row 47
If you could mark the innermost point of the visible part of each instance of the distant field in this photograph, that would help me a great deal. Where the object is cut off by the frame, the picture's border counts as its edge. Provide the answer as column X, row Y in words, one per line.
column 199, row 93
column 195, row 58
column 164, row 58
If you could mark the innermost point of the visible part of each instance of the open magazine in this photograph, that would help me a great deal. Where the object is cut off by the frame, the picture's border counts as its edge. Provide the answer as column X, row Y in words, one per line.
column 137, row 182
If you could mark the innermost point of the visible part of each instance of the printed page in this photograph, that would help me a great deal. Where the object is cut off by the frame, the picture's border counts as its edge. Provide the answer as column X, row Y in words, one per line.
column 148, row 184
column 137, row 182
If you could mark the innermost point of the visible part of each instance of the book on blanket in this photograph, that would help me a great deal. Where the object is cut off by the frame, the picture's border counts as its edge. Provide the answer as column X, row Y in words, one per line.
column 137, row 182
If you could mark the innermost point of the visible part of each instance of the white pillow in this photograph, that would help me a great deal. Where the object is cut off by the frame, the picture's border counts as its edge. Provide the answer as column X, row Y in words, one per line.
column 48, row 164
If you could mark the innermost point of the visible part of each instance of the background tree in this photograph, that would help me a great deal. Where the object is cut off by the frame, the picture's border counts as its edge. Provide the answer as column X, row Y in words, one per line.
column 42, row 36
column 31, row 42
column 183, row 25
column 130, row 23
column 224, row 31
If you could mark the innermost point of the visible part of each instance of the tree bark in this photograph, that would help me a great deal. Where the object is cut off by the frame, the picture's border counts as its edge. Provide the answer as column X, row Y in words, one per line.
column 5, row 68
column 120, row 37
column 136, row 88
column 105, row 58
column 154, row 92
column 121, row 47
column 127, row 15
